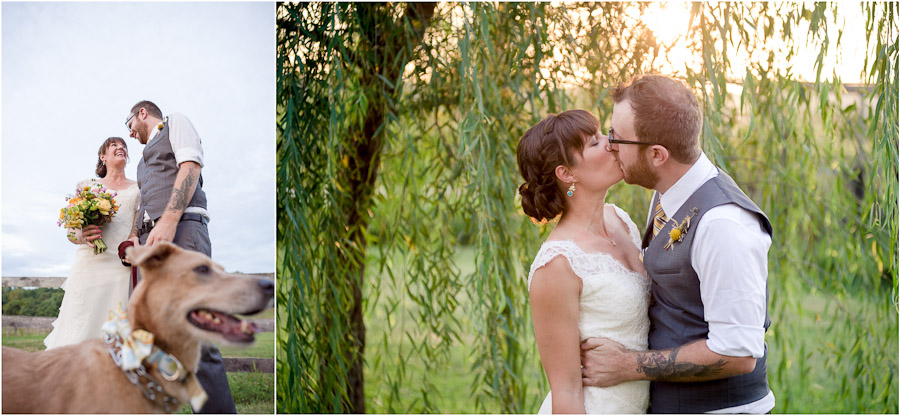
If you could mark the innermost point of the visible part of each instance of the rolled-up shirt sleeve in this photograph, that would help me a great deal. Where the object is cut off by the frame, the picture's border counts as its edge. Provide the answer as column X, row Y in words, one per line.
column 729, row 254
column 184, row 140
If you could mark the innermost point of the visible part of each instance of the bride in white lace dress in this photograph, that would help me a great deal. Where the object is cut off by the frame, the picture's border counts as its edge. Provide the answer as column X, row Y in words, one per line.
column 97, row 283
column 587, row 279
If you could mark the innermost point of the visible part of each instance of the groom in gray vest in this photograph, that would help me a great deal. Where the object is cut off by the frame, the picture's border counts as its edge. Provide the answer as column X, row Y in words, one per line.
column 173, row 208
column 709, row 296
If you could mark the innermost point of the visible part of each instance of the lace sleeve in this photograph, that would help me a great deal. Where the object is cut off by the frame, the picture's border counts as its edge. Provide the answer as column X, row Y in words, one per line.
column 549, row 251
column 632, row 228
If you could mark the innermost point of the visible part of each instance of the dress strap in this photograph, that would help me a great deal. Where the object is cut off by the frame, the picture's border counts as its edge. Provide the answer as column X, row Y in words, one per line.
column 632, row 228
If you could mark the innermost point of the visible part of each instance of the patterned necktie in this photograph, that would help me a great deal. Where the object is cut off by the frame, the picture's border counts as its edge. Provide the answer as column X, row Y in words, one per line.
column 659, row 218
column 659, row 221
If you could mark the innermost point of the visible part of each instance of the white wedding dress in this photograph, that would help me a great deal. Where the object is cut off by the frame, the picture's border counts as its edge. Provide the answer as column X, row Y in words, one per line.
column 614, row 304
column 96, row 283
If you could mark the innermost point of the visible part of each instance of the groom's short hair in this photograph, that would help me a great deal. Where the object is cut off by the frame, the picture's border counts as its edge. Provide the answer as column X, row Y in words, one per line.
column 151, row 108
column 665, row 112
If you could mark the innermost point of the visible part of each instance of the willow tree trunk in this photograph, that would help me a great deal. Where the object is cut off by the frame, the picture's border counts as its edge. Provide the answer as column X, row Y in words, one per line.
column 383, row 51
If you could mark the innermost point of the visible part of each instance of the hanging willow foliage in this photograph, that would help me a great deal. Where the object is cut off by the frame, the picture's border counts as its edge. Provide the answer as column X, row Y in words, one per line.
column 402, row 248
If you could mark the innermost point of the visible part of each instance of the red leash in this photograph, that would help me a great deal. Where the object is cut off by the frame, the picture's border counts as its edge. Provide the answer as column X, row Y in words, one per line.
column 122, row 247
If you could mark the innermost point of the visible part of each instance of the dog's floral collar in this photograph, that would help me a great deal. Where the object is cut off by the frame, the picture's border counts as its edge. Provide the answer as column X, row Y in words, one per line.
column 680, row 230
column 136, row 345
column 134, row 352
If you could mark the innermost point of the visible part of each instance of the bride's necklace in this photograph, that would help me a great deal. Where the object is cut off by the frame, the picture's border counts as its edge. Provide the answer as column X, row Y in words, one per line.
column 115, row 184
column 597, row 233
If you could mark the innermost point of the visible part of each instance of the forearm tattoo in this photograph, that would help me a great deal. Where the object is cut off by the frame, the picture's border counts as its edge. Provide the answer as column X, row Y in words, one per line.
column 182, row 195
column 662, row 366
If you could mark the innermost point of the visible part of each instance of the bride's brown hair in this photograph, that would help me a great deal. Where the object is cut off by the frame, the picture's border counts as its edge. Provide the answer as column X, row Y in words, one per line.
column 550, row 143
column 101, row 167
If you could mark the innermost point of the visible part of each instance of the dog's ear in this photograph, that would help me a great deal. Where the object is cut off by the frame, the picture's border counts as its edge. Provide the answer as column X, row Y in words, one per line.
column 151, row 257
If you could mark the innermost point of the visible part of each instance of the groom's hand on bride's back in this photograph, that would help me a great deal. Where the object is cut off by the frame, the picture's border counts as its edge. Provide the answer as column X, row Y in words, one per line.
column 604, row 363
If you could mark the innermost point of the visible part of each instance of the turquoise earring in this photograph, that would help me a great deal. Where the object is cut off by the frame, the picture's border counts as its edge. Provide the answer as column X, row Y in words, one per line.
column 571, row 190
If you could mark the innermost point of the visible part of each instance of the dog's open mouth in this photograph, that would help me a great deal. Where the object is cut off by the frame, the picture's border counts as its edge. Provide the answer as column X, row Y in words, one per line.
column 231, row 328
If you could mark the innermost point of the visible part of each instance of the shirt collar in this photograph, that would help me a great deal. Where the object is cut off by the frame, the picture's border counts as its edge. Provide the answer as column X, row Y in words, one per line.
column 701, row 171
column 155, row 130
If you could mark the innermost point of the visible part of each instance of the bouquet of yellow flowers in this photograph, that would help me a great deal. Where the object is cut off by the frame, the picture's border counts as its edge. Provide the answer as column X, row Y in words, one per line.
column 91, row 205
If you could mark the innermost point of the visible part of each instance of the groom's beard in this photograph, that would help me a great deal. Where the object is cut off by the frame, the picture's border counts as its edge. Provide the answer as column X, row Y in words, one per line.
column 641, row 173
column 143, row 135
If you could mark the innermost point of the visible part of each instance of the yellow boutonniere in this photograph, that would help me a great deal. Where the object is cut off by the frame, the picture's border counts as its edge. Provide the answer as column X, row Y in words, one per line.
column 159, row 126
column 678, row 232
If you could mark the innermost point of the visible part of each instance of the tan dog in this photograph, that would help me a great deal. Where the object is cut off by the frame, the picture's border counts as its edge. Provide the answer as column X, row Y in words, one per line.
column 184, row 299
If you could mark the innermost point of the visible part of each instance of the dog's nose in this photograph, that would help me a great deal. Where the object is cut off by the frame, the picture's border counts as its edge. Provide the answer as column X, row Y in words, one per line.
column 267, row 286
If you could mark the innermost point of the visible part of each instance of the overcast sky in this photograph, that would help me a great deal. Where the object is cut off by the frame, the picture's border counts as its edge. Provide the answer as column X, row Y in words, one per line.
column 72, row 71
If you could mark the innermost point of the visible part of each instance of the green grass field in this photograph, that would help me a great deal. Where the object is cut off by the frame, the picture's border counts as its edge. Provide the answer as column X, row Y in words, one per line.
column 454, row 379
column 264, row 347
column 254, row 393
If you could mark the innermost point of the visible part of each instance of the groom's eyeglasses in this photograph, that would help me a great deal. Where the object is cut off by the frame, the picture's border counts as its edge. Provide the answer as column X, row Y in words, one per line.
column 128, row 122
column 613, row 140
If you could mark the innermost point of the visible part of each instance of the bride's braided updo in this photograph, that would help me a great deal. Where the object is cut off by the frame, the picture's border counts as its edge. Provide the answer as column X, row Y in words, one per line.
column 550, row 143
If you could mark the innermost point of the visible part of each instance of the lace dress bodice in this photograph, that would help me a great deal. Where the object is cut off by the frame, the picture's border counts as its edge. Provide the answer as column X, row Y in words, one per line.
column 613, row 304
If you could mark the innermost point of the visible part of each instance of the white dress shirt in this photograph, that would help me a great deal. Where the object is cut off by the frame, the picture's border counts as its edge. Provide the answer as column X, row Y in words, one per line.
column 184, row 140
column 729, row 255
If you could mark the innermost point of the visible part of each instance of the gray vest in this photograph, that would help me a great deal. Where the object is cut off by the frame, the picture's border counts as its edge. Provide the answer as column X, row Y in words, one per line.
column 676, row 309
column 156, row 174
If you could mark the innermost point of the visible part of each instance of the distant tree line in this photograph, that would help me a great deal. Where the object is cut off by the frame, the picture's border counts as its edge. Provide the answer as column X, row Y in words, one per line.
column 32, row 302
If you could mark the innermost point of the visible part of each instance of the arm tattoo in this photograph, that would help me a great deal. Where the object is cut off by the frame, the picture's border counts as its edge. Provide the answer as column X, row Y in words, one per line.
column 181, row 196
column 660, row 366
